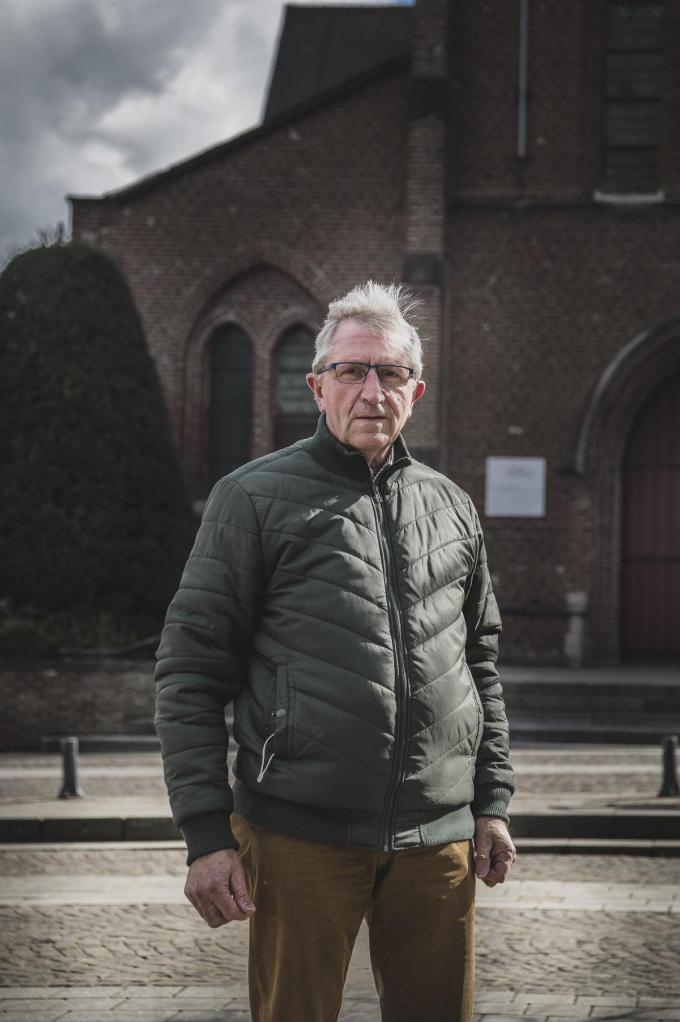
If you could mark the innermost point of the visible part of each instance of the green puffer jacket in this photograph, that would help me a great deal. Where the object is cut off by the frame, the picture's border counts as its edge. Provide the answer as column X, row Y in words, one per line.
column 353, row 624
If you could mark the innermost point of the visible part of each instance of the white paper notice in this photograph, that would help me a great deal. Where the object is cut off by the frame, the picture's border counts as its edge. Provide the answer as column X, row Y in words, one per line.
column 515, row 488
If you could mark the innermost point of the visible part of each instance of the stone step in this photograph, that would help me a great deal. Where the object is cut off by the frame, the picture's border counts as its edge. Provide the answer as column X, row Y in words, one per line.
column 135, row 819
column 526, row 730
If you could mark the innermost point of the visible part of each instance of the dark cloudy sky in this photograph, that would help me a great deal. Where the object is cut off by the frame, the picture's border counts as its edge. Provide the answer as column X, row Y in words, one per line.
column 96, row 93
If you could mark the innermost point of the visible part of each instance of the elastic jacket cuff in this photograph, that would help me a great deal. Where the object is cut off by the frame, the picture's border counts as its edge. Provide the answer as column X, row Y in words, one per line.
column 491, row 801
column 209, row 832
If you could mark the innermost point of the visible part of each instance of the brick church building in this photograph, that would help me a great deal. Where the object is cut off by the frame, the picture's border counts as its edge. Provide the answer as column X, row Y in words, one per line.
column 517, row 163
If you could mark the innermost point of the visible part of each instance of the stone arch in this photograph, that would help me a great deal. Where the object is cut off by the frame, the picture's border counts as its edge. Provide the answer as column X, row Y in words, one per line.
column 264, row 302
column 244, row 259
column 631, row 374
column 628, row 380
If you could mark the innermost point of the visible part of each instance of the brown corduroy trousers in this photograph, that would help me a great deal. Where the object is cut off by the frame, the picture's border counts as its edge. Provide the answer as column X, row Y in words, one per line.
column 310, row 900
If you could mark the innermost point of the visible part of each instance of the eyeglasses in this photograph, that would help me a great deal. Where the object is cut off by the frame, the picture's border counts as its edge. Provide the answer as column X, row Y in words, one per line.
column 356, row 372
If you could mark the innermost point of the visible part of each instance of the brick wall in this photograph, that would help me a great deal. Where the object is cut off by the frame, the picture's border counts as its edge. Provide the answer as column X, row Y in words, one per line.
column 541, row 300
column 564, row 62
column 319, row 202
column 545, row 288
column 42, row 699
column 531, row 287
column 566, row 45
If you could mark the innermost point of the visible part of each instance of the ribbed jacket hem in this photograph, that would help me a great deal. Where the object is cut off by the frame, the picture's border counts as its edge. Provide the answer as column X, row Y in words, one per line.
column 352, row 829
column 209, row 832
column 492, row 801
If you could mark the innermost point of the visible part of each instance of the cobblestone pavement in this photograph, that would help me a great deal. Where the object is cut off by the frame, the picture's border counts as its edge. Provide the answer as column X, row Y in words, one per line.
column 569, row 937
column 160, row 962
column 168, row 858
column 221, row 1004
column 552, row 770
column 592, row 954
column 546, row 895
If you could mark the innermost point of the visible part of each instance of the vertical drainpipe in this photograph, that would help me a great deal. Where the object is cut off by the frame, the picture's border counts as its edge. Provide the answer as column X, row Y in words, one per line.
column 523, row 79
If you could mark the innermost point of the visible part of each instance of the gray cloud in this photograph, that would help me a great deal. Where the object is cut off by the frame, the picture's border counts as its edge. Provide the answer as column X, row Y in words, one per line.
column 96, row 93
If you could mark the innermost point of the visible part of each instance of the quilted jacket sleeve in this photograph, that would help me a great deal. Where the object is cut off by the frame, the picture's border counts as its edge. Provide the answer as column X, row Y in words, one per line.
column 201, row 666
column 493, row 773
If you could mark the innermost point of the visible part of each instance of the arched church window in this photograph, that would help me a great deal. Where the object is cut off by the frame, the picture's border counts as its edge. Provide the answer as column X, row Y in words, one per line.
column 230, row 399
column 296, row 413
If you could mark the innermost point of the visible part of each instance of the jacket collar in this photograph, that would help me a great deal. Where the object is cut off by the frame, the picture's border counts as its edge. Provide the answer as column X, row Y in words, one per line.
column 348, row 461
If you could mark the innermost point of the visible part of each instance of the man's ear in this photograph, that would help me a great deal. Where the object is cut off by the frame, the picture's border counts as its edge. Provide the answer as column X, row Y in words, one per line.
column 314, row 384
column 418, row 390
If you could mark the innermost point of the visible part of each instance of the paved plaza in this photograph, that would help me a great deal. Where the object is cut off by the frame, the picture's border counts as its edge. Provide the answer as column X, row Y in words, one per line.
column 103, row 931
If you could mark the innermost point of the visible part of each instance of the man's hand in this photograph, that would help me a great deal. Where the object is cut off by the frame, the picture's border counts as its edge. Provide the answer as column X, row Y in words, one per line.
column 494, row 850
column 216, row 887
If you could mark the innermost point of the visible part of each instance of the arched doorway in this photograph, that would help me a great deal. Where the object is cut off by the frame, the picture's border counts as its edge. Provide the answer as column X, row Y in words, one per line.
column 296, row 413
column 230, row 400
column 651, row 529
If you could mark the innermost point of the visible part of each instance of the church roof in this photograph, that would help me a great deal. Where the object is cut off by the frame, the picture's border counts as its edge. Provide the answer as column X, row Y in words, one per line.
column 321, row 48
column 272, row 124
column 357, row 45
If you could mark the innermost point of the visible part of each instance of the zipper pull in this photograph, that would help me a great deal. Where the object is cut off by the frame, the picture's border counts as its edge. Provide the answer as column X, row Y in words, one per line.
column 277, row 715
column 263, row 768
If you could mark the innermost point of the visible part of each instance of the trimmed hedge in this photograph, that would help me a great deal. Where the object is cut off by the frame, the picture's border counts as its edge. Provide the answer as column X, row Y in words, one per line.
column 94, row 520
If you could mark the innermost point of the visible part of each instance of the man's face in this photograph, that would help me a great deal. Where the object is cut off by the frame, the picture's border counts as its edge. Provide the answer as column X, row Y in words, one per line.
column 364, row 415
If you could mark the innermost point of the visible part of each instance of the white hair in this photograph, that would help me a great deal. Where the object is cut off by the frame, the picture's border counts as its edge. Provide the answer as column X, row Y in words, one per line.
column 381, row 308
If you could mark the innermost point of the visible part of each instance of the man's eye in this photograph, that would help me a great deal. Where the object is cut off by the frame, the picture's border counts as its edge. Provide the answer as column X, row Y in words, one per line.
column 389, row 375
column 351, row 372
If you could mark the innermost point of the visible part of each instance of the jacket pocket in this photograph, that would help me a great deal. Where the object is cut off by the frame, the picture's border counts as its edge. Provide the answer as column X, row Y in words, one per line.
column 278, row 726
column 269, row 685
column 281, row 712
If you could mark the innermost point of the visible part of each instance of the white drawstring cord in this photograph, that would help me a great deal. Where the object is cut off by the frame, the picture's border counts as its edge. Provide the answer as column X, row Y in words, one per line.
column 263, row 769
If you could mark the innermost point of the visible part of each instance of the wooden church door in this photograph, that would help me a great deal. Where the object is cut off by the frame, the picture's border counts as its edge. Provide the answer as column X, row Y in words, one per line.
column 651, row 533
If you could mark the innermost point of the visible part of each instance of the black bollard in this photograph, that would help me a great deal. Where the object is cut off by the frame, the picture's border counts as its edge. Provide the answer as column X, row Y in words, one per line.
column 69, row 761
column 669, row 783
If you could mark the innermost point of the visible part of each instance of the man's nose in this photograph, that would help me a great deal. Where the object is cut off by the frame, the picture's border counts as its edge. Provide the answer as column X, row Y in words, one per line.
column 372, row 388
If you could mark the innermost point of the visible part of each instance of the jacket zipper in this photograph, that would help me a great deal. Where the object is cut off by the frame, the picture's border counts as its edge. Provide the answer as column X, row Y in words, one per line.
column 402, row 688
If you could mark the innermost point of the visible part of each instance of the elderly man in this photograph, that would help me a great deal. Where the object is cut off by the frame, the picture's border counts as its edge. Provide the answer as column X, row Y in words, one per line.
column 338, row 594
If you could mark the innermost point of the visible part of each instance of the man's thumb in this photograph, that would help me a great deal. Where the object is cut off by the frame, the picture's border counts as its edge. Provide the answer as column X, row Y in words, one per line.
column 240, row 891
column 482, row 857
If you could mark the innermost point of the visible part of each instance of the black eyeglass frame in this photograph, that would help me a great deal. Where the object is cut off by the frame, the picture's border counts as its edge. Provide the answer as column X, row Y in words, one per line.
column 368, row 366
